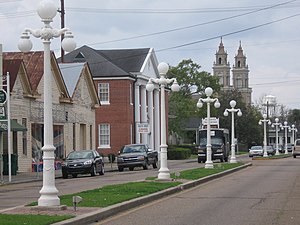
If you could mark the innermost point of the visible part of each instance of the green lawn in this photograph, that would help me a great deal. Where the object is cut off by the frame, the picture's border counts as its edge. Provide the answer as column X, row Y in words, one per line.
column 198, row 173
column 7, row 219
column 113, row 194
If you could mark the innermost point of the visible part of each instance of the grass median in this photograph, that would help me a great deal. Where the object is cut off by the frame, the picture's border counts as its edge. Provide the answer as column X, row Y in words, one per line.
column 113, row 194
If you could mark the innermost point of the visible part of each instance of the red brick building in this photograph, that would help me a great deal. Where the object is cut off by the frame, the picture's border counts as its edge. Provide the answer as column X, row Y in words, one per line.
column 120, row 77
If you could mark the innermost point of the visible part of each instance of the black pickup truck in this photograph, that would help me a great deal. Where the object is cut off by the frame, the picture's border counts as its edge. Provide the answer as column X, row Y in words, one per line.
column 136, row 155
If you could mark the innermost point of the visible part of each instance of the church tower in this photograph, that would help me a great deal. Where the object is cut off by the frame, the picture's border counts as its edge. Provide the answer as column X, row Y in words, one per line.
column 221, row 67
column 240, row 76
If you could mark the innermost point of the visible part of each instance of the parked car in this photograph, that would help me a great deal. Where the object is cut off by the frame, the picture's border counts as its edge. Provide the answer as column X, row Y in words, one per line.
column 83, row 162
column 256, row 150
column 296, row 148
column 290, row 147
column 280, row 148
column 136, row 155
column 270, row 150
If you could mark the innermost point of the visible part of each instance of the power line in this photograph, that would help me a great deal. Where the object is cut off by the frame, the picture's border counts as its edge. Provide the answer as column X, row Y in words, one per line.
column 227, row 34
column 193, row 26
column 175, row 11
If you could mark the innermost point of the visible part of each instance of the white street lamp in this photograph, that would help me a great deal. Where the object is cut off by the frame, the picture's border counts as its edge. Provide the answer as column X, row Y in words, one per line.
column 164, row 173
column 293, row 129
column 265, row 121
column 276, row 124
column 47, row 11
column 285, row 127
column 239, row 113
column 208, row 91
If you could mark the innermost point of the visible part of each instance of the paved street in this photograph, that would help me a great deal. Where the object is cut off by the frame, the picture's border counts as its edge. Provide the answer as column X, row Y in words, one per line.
column 264, row 194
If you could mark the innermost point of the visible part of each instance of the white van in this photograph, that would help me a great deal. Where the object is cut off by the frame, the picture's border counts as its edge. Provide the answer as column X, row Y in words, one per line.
column 296, row 148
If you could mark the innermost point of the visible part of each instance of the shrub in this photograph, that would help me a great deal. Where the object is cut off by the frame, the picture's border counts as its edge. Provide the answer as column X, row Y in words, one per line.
column 192, row 147
column 179, row 153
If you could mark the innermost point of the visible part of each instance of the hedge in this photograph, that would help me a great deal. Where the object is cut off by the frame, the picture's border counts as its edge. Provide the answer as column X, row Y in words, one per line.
column 179, row 153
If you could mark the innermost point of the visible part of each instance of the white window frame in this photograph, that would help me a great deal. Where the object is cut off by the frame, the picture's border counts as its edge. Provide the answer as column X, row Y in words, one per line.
column 104, row 131
column 100, row 91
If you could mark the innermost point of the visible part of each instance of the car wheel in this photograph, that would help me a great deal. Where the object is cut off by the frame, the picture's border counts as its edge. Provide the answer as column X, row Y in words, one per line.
column 131, row 168
column 74, row 175
column 65, row 175
column 93, row 172
column 121, row 169
column 199, row 160
column 102, row 170
column 294, row 156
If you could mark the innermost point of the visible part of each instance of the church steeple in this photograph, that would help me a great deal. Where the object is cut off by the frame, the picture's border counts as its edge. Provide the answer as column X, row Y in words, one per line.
column 240, row 58
column 221, row 67
column 240, row 75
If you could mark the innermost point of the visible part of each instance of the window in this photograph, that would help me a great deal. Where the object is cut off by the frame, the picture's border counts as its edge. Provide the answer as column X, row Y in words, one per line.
column 104, row 135
column 103, row 89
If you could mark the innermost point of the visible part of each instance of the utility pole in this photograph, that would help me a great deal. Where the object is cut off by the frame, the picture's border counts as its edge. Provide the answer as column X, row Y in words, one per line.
column 62, row 25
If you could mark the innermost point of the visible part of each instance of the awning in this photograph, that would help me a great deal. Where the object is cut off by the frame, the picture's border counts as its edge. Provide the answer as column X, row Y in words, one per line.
column 14, row 126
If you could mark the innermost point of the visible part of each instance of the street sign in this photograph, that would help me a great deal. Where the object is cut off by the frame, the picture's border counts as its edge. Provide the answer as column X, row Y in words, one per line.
column 3, row 96
column 143, row 128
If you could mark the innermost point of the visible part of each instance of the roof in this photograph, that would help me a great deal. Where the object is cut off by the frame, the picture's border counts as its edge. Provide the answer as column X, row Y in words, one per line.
column 34, row 63
column 109, row 63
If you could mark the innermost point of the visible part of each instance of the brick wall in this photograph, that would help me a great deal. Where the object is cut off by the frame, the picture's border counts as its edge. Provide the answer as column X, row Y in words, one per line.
column 119, row 114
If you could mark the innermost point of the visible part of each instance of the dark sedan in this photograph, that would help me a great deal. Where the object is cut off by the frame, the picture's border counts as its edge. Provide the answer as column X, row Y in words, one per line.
column 136, row 155
column 83, row 162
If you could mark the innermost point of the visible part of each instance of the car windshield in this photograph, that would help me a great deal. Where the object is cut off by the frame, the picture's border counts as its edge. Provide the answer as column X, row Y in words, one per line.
column 256, row 148
column 132, row 149
column 80, row 155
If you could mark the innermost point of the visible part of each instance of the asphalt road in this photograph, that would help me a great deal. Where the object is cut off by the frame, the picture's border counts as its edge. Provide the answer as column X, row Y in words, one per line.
column 267, row 193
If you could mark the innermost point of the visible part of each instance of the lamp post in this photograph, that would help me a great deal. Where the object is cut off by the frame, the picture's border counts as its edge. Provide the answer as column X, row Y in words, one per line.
column 265, row 121
column 293, row 129
column 285, row 127
column 47, row 11
column 164, row 173
column 239, row 113
column 276, row 124
column 208, row 100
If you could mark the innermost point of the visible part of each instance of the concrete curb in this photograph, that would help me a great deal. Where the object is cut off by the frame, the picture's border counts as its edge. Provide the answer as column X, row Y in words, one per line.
column 103, row 213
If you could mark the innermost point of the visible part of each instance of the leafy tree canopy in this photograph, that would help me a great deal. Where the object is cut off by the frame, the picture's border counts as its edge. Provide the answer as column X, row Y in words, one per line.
column 182, row 104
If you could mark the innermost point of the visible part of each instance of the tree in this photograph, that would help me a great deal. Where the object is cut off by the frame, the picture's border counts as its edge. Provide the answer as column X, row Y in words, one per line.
column 247, row 130
column 182, row 105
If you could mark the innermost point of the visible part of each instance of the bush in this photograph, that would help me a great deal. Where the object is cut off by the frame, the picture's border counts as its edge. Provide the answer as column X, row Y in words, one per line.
column 179, row 153
column 192, row 147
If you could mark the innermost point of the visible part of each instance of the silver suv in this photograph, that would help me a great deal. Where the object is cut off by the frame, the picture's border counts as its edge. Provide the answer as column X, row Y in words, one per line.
column 296, row 148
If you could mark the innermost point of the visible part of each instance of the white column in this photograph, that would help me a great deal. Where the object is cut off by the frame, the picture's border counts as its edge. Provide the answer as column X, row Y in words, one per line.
column 144, row 112
column 151, row 119
column 156, row 122
column 137, row 118
column 49, row 193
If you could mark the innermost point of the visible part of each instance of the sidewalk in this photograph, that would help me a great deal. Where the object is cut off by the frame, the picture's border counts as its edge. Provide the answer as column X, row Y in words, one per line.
column 38, row 176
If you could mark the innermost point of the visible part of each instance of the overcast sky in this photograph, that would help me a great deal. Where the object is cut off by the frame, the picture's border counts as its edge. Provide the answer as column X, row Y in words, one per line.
column 268, row 30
